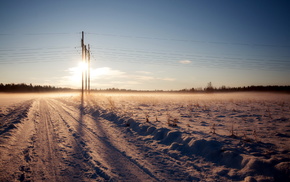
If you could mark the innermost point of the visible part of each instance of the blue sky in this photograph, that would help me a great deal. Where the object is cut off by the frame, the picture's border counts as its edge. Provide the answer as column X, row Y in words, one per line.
column 164, row 44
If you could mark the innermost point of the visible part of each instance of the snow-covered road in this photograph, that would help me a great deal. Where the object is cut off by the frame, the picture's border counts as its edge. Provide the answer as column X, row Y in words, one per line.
column 55, row 142
column 65, row 138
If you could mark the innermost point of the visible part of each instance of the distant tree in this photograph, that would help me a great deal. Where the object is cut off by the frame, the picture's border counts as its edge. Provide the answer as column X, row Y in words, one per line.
column 22, row 87
column 209, row 87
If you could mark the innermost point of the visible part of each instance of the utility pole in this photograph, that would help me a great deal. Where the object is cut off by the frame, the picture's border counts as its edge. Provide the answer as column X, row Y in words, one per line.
column 85, row 69
column 83, row 60
column 86, row 60
column 89, row 67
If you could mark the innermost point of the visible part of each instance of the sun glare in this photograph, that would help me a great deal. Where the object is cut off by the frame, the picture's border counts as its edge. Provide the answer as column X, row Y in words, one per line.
column 75, row 78
column 82, row 66
column 76, row 73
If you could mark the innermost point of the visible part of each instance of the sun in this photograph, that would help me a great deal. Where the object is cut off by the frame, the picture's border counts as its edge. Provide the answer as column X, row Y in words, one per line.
column 75, row 77
column 82, row 66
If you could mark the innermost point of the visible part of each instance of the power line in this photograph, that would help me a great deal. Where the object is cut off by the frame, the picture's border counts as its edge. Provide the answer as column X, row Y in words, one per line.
column 149, row 38
column 134, row 53
column 197, row 61
column 38, row 34
column 24, row 55
column 137, row 54
column 177, row 53
column 36, row 55
column 38, row 48
column 192, row 41
column 205, row 64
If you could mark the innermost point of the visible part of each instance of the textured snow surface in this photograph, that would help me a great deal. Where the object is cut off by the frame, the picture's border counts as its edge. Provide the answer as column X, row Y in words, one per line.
column 145, row 137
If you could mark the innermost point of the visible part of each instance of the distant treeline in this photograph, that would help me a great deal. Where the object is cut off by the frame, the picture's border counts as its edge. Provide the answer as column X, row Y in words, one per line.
column 22, row 87
column 210, row 89
column 270, row 88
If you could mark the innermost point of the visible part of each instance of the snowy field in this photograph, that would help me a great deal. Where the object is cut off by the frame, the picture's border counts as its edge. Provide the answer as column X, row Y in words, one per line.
column 145, row 137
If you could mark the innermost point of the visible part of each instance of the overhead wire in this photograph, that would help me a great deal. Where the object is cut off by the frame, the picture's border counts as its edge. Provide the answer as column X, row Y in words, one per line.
column 37, row 57
column 189, row 40
column 197, row 60
column 180, row 56
column 184, row 54
column 40, row 33
column 147, row 56
column 150, row 38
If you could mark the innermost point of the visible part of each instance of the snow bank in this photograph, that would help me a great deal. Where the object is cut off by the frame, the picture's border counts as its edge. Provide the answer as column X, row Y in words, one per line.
column 244, row 165
column 15, row 114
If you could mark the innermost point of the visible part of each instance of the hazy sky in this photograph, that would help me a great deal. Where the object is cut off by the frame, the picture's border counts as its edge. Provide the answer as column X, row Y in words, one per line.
column 152, row 44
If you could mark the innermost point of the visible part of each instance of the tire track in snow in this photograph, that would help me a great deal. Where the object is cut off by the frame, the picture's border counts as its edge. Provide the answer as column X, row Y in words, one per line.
column 56, row 154
column 15, row 116
column 120, row 166
column 54, row 143
column 15, row 141
column 44, row 157
column 47, row 159
column 79, row 158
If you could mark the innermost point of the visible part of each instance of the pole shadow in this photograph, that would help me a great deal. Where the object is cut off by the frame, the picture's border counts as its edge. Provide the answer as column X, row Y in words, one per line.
column 82, row 110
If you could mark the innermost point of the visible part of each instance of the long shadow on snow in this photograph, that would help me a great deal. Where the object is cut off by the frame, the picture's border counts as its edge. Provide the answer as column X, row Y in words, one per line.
column 113, row 158
column 222, row 153
column 98, row 172
column 158, row 134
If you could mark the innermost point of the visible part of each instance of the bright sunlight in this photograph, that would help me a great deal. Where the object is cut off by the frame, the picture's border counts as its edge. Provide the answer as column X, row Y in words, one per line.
column 75, row 77
column 82, row 66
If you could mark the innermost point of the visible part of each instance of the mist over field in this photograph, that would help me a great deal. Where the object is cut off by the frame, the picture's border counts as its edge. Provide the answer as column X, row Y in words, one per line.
column 145, row 137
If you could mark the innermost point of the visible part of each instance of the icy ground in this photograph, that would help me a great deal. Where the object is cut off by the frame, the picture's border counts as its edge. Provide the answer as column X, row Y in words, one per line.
column 145, row 137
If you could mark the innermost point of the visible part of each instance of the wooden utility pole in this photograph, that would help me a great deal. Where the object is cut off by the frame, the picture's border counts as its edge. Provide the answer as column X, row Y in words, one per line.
column 89, row 67
column 83, row 59
column 86, row 75
column 85, row 69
